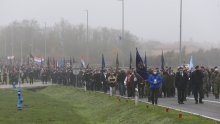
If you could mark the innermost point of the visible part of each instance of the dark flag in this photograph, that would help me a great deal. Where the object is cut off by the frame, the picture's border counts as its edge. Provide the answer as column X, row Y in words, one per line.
column 103, row 62
column 74, row 61
column 140, row 68
column 54, row 63
column 130, row 60
column 119, row 37
column 117, row 62
column 48, row 62
column 41, row 62
column 31, row 56
column 145, row 60
column 28, row 61
column 71, row 63
column 162, row 61
column 64, row 62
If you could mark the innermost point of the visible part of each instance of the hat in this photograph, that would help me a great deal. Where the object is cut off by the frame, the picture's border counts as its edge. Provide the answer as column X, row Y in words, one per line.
column 197, row 67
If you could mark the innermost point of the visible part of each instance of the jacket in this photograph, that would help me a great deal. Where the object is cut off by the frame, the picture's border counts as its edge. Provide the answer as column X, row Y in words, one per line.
column 153, row 78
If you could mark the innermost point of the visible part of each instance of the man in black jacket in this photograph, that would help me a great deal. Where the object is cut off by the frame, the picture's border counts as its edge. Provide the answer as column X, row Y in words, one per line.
column 197, row 84
column 181, row 83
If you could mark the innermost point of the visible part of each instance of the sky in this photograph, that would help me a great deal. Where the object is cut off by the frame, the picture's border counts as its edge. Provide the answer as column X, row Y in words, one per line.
column 148, row 19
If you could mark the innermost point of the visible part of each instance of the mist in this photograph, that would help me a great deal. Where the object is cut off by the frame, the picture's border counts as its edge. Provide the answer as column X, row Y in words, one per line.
column 155, row 20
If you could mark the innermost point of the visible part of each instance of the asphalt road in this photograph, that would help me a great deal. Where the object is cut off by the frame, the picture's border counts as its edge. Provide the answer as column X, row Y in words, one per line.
column 36, row 84
column 210, row 108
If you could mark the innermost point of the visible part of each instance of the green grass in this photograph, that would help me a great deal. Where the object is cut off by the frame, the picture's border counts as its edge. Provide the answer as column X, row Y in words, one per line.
column 66, row 105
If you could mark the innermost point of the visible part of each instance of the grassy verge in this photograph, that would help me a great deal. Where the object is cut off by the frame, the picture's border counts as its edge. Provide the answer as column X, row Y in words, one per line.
column 63, row 105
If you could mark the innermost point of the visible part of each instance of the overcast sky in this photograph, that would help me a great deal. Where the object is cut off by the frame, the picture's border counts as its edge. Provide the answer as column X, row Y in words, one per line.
column 148, row 19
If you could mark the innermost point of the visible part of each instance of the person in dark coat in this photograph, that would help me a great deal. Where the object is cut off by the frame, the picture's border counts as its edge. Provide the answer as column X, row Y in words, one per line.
column 129, row 80
column 104, row 81
column 181, row 83
column 197, row 84
column 121, row 77
column 31, row 76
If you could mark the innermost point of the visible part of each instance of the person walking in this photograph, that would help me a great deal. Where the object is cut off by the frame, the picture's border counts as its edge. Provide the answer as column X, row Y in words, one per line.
column 181, row 83
column 197, row 84
column 155, row 84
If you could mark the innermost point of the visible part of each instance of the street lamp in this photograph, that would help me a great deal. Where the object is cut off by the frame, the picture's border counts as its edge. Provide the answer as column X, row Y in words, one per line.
column 45, row 45
column 87, row 34
column 180, row 40
column 21, row 52
column 122, row 28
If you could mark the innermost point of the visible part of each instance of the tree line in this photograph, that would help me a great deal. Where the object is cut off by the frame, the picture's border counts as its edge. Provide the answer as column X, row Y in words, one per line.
column 64, row 40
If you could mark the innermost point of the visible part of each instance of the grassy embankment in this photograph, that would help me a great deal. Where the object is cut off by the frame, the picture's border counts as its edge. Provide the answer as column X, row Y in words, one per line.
column 67, row 105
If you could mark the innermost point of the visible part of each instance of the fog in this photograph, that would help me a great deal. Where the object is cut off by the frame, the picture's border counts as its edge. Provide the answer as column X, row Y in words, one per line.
column 156, row 20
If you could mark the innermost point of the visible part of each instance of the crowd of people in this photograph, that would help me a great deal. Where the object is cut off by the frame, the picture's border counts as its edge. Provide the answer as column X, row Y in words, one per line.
column 184, row 82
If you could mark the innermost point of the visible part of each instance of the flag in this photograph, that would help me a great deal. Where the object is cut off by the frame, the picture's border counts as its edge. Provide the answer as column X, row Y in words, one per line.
column 103, row 62
column 48, row 62
column 41, row 63
column 38, row 60
column 162, row 61
column 145, row 60
column 117, row 62
column 130, row 60
column 74, row 61
column 83, row 64
column 31, row 56
column 10, row 57
column 71, row 63
column 64, row 62
column 28, row 60
column 191, row 63
column 54, row 62
column 140, row 68
column 119, row 37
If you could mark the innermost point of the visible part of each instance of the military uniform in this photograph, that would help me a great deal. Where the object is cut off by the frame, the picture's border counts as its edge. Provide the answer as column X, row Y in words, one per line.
column 216, row 83
column 5, row 78
column 206, row 83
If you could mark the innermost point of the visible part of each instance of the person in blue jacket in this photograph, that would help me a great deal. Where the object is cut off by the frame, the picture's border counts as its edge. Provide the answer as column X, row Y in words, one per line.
column 155, row 82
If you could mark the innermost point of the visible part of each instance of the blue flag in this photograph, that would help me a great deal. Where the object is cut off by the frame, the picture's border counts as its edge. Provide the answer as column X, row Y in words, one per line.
column 140, row 68
column 103, row 62
column 191, row 63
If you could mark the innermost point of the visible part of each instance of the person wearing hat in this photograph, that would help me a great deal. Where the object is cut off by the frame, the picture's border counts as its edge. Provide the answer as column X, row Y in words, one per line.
column 197, row 84
column 181, row 80
column 155, row 84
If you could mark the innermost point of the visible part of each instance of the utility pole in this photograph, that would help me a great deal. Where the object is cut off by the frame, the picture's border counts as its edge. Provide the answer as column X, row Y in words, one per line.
column 180, row 40
column 21, row 43
column 45, row 46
